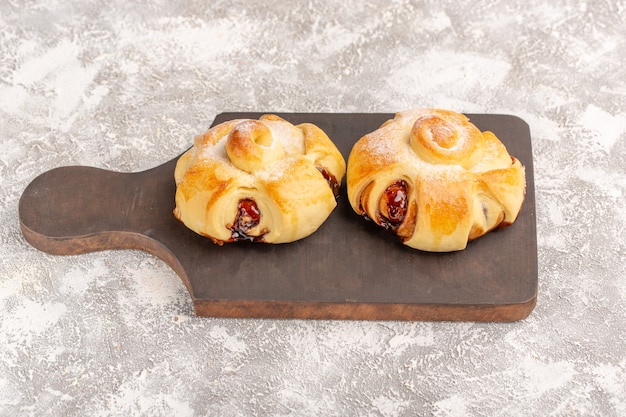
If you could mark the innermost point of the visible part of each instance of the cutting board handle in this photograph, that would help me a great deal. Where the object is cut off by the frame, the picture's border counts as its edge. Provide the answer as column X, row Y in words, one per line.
column 78, row 209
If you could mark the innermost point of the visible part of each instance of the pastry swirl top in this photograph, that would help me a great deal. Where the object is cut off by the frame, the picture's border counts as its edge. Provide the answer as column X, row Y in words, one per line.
column 434, row 179
column 262, row 180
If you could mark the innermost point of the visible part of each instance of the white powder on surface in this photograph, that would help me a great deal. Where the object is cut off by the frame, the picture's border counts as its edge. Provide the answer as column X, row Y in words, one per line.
column 155, row 288
column 390, row 406
column 28, row 321
column 543, row 377
column 416, row 336
column 611, row 184
column 77, row 279
column 290, row 137
column 438, row 21
column 453, row 406
column 229, row 342
column 217, row 151
column 381, row 145
column 606, row 128
column 142, row 395
column 391, row 146
column 277, row 170
column 50, row 62
column 193, row 41
column 12, row 395
column 63, row 76
column 13, row 99
column 612, row 379
column 432, row 71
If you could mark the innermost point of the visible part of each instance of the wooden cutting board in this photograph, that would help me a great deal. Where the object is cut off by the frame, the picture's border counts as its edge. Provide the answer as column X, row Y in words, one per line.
column 348, row 269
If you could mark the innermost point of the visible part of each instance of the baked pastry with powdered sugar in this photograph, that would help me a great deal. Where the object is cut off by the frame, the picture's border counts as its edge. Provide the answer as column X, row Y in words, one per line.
column 434, row 179
column 263, row 180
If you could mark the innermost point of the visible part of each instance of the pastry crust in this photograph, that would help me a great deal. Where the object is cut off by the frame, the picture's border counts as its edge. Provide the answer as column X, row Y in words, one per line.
column 434, row 179
column 261, row 180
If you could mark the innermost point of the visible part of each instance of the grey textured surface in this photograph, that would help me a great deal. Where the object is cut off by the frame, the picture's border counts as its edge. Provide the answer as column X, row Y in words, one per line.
column 126, row 85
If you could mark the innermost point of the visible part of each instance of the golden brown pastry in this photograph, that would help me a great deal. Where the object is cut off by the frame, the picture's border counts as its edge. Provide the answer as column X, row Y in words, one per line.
column 434, row 179
column 261, row 180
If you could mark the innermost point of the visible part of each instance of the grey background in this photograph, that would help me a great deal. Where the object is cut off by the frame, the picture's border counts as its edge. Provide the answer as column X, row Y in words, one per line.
column 126, row 86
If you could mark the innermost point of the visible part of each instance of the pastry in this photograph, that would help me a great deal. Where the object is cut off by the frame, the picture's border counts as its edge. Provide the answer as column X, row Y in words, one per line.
column 434, row 179
column 262, row 180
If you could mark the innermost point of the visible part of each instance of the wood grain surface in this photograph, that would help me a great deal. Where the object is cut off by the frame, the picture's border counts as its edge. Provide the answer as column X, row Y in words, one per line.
column 348, row 269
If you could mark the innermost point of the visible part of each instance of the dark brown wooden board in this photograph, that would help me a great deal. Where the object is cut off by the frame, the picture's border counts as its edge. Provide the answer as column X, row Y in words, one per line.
column 348, row 269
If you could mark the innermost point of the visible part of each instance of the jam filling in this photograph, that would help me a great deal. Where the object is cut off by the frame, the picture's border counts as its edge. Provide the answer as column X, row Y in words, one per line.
column 248, row 217
column 332, row 181
column 393, row 205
